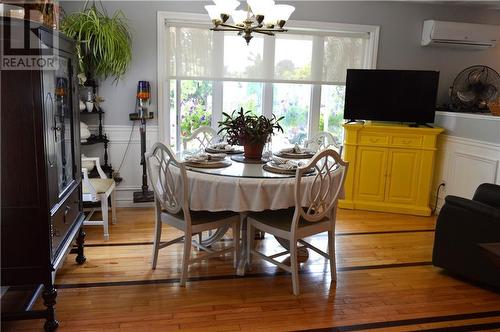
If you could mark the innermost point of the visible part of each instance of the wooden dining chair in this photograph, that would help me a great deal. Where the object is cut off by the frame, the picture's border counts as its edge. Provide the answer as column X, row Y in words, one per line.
column 316, row 198
column 323, row 140
column 170, row 183
column 202, row 137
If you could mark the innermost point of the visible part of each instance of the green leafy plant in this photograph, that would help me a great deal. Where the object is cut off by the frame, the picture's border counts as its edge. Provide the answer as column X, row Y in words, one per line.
column 247, row 128
column 104, row 44
column 194, row 118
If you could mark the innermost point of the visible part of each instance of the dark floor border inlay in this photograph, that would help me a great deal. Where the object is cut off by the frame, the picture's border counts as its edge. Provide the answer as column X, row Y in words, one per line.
column 225, row 277
column 386, row 232
column 465, row 328
column 415, row 321
column 118, row 244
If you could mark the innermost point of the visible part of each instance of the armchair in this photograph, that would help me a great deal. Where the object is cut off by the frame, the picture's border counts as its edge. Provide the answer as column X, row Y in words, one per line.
column 462, row 226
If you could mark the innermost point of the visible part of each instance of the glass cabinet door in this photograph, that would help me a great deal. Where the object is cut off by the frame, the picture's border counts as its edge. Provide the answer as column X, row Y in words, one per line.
column 63, row 120
column 59, row 128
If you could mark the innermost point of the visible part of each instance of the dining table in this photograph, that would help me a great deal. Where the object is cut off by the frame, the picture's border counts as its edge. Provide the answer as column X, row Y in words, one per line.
column 241, row 187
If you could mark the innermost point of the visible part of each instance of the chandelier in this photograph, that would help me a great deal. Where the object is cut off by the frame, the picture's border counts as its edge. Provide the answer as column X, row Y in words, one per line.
column 261, row 16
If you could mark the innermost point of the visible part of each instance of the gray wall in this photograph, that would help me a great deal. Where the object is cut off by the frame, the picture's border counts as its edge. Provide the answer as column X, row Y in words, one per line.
column 399, row 46
column 478, row 127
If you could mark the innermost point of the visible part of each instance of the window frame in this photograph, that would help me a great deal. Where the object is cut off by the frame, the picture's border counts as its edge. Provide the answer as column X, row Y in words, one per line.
column 316, row 29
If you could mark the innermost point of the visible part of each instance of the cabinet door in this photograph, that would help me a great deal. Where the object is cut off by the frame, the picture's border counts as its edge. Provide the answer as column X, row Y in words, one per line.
column 59, row 132
column 370, row 173
column 402, row 175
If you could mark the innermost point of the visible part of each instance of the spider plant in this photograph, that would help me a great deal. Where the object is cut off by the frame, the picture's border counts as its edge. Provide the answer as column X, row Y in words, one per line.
column 103, row 43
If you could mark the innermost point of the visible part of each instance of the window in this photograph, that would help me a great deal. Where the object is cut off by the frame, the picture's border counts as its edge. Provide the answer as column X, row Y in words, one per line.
column 299, row 75
column 242, row 94
column 292, row 102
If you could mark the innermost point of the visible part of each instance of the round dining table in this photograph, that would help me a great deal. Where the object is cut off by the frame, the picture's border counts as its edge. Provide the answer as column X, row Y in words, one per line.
column 241, row 187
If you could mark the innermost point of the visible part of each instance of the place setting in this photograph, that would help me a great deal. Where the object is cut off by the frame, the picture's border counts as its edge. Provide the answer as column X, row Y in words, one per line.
column 207, row 160
column 281, row 165
column 295, row 152
column 223, row 147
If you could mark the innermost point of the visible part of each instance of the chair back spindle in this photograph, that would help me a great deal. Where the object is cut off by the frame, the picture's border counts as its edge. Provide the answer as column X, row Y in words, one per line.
column 322, row 193
column 168, row 178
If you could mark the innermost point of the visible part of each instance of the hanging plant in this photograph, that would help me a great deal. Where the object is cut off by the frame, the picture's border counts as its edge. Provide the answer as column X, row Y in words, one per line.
column 104, row 44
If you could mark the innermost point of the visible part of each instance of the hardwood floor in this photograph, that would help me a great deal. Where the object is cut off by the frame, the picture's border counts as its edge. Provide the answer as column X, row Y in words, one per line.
column 385, row 283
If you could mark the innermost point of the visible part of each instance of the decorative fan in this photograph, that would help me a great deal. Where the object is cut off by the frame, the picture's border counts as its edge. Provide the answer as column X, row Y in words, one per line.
column 474, row 88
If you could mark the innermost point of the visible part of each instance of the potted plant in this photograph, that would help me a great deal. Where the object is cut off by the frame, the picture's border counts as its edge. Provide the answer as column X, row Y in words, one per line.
column 104, row 45
column 249, row 130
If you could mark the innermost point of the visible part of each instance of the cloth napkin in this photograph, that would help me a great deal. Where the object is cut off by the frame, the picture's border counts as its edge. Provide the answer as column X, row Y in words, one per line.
column 286, row 163
column 221, row 146
column 204, row 157
column 296, row 150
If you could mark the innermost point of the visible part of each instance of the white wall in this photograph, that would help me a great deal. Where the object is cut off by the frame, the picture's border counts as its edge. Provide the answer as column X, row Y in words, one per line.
column 468, row 154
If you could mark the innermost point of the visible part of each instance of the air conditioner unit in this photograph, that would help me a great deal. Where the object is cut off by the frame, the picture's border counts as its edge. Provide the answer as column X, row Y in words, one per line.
column 465, row 35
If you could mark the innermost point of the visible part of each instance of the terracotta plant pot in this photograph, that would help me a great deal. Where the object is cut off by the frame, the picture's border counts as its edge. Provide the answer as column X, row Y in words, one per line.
column 253, row 151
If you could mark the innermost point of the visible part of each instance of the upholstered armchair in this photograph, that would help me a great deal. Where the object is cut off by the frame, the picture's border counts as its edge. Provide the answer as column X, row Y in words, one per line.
column 462, row 226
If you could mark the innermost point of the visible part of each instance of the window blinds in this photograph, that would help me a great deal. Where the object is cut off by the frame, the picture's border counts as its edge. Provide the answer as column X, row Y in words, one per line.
column 319, row 57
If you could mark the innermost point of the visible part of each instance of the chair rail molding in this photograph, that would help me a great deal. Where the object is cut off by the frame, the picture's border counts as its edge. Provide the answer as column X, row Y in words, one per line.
column 131, row 170
column 462, row 164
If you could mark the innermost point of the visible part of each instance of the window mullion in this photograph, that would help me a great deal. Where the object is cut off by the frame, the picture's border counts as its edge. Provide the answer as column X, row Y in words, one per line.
column 267, row 95
column 178, row 104
column 316, row 74
column 217, row 103
column 217, row 85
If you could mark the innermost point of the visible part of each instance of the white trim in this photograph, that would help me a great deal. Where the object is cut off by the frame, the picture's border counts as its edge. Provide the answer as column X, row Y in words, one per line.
column 477, row 116
column 490, row 161
column 471, row 142
column 163, row 85
column 451, row 147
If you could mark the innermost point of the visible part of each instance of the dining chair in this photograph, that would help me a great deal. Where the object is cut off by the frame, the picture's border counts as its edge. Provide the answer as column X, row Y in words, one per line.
column 170, row 184
column 323, row 140
column 202, row 136
column 316, row 198
column 98, row 190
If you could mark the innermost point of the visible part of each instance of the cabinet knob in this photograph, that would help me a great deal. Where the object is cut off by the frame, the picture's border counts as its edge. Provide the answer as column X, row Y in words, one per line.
column 67, row 208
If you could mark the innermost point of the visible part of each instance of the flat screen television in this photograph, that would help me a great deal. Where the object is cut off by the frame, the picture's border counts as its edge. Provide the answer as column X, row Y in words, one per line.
column 391, row 95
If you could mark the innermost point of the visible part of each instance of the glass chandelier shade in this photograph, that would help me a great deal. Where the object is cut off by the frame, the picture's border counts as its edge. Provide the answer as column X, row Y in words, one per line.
column 260, row 16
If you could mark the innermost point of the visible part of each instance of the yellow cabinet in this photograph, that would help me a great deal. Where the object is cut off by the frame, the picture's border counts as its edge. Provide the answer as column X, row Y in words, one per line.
column 391, row 167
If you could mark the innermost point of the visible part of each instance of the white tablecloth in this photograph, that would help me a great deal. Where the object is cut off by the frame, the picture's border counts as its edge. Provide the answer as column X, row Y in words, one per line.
column 221, row 193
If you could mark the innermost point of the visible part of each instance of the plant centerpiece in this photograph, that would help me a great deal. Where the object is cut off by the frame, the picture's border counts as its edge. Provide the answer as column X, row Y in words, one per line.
column 104, row 44
column 249, row 130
